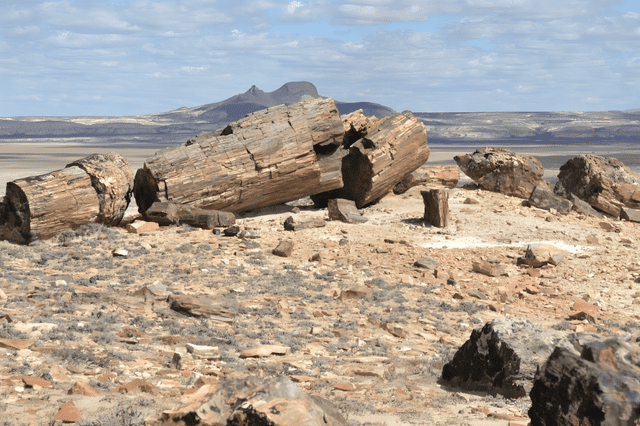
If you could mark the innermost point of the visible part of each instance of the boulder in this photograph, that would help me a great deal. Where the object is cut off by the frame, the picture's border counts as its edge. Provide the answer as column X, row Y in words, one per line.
column 345, row 211
column 251, row 401
column 543, row 197
column 284, row 249
column 502, row 170
column 538, row 255
column 503, row 356
column 600, row 386
column 603, row 182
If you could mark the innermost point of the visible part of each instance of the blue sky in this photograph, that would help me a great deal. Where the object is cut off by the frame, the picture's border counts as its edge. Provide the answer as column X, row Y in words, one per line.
column 131, row 57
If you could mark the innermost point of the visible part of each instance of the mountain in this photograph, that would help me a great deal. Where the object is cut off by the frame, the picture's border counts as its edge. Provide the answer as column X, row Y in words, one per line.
column 368, row 108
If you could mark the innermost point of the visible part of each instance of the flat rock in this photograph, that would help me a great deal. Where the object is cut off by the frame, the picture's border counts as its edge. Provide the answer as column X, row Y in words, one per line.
column 344, row 211
column 502, row 357
column 632, row 215
column 599, row 386
column 265, row 350
column 298, row 223
column 502, row 170
column 538, row 255
column 426, row 263
column 543, row 197
column 583, row 207
column 489, row 269
column 203, row 351
column 16, row 344
column 141, row 227
column 199, row 307
column 355, row 293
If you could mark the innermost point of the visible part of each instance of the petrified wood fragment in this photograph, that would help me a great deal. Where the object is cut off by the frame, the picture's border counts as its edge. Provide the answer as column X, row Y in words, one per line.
column 271, row 156
column 429, row 175
column 502, row 170
column 165, row 213
column 381, row 154
column 436, row 207
column 605, row 183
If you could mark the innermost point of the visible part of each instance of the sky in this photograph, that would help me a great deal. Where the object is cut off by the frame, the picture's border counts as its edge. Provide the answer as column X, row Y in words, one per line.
column 134, row 57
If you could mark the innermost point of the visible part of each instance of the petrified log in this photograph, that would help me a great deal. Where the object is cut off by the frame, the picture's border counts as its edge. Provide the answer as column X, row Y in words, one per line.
column 605, row 183
column 112, row 178
column 42, row 206
column 271, row 156
column 391, row 149
column 165, row 213
column 503, row 356
column 429, row 175
column 502, row 170
column 601, row 386
column 96, row 188
column 436, row 207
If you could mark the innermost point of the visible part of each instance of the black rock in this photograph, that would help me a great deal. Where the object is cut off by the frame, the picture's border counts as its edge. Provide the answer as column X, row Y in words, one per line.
column 502, row 357
column 232, row 231
column 601, row 386
column 216, row 232
column 544, row 198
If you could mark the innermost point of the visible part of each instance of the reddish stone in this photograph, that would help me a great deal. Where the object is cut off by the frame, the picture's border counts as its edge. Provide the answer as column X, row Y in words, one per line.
column 68, row 413
column 36, row 381
column 16, row 344
column 80, row 388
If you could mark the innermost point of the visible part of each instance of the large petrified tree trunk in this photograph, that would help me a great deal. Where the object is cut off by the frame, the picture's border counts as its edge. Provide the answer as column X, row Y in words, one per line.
column 270, row 156
column 93, row 189
column 381, row 154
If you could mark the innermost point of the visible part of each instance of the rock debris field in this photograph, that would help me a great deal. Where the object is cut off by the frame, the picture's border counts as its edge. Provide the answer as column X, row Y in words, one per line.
column 102, row 326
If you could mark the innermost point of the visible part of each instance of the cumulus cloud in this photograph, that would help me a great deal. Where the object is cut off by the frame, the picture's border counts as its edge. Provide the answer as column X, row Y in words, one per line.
column 458, row 55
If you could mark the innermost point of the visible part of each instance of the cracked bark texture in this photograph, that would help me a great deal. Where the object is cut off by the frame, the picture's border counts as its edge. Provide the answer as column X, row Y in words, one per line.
column 271, row 156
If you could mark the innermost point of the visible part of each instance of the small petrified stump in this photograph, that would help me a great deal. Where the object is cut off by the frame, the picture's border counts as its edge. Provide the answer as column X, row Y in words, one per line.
column 601, row 386
column 436, row 207
column 165, row 213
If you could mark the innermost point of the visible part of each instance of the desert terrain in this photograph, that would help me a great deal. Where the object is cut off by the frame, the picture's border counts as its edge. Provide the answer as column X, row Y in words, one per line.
column 355, row 320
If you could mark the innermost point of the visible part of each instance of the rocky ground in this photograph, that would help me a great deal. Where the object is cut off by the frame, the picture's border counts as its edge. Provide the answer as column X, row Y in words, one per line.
column 349, row 315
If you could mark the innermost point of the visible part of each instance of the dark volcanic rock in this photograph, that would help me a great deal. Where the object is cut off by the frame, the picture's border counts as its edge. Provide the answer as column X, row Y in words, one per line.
column 605, row 183
column 502, row 170
column 502, row 357
column 544, row 198
column 599, row 387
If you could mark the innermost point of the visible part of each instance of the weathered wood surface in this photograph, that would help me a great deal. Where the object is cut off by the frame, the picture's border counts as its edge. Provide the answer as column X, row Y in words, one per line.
column 42, row 206
column 392, row 148
column 270, row 156
column 112, row 178
column 436, row 207
column 96, row 188
column 429, row 175
column 165, row 213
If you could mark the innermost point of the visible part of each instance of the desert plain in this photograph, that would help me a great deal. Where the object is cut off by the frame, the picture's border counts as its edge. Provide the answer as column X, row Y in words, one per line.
column 352, row 318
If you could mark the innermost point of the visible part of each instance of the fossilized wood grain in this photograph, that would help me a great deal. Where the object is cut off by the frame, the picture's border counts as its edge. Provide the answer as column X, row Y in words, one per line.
column 42, row 206
column 266, row 158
